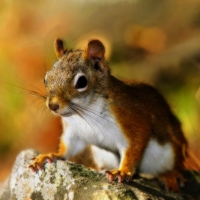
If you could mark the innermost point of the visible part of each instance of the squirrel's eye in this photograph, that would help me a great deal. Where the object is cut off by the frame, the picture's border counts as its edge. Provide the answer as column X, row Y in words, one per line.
column 81, row 82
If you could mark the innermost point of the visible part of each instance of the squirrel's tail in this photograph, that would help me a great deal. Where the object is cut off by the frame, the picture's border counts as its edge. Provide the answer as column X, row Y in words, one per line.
column 192, row 162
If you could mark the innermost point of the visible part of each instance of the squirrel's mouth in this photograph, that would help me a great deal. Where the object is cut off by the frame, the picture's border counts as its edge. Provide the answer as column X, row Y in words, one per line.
column 68, row 114
column 65, row 114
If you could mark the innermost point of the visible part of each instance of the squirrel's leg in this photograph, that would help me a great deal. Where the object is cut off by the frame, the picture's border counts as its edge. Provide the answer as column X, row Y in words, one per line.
column 39, row 160
column 172, row 179
column 69, row 146
column 130, row 157
column 126, row 169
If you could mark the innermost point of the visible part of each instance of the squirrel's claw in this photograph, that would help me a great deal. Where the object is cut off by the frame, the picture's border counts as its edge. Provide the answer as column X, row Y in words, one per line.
column 118, row 175
column 35, row 167
column 40, row 160
column 110, row 176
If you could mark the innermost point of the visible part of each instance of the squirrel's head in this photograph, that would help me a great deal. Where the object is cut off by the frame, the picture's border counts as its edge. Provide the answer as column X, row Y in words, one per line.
column 77, row 77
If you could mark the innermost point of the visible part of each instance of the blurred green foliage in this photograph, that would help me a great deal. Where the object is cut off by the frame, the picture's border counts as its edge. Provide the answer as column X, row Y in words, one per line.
column 10, row 105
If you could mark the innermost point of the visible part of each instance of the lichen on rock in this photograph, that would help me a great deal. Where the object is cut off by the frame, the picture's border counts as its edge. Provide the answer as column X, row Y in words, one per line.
column 64, row 180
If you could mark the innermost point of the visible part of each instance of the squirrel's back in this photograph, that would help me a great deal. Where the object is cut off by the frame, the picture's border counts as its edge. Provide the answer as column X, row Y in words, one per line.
column 145, row 100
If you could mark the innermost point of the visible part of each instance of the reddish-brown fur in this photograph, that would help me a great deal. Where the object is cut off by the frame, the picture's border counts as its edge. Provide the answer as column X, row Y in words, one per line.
column 143, row 113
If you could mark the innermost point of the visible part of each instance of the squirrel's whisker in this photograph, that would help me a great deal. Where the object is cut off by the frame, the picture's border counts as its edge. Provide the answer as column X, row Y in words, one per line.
column 93, row 112
column 82, row 115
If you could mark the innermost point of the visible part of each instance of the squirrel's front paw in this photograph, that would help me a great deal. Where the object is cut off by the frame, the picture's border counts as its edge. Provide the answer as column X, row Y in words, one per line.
column 118, row 175
column 40, row 160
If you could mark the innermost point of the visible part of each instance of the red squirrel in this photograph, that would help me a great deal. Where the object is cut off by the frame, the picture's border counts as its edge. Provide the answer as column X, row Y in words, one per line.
column 132, row 121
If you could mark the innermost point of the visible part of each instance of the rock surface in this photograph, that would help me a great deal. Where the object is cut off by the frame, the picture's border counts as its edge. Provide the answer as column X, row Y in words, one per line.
column 65, row 180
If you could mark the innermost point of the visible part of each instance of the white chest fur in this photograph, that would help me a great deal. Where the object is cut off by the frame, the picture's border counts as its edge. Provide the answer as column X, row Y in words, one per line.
column 94, row 124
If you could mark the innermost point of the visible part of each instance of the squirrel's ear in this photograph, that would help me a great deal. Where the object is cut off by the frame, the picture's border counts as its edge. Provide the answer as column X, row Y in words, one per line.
column 94, row 50
column 59, row 48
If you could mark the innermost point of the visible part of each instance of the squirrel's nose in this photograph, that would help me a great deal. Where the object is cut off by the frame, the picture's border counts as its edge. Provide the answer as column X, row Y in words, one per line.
column 53, row 106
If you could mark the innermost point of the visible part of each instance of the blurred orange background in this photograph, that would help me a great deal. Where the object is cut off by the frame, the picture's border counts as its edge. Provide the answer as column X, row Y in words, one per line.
column 154, row 41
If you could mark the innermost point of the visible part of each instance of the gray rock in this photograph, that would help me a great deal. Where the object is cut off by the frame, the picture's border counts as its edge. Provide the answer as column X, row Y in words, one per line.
column 64, row 180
